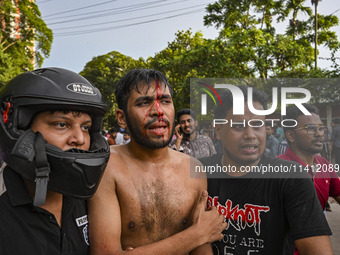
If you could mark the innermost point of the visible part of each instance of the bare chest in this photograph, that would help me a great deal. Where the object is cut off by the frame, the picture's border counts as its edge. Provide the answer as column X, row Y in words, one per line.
column 154, row 208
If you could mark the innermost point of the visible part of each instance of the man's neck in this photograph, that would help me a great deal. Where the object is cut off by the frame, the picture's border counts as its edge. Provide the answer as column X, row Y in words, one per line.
column 307, row 158
column 145, row 154
column 192, row 136
column 234, row 169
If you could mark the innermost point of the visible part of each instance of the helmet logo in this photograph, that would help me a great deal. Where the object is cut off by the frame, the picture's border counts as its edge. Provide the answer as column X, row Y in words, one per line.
column 81, row 89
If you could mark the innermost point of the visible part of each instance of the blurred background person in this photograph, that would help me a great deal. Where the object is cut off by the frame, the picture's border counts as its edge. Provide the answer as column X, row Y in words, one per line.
column 272, row 144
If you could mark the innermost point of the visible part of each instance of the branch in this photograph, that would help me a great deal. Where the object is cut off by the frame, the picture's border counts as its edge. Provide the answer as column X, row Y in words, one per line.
column 9, row 45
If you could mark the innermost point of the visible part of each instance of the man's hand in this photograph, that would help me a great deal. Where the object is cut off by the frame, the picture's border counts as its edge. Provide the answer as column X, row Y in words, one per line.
column 210, row 223
column 179, row 136
column 178, row 133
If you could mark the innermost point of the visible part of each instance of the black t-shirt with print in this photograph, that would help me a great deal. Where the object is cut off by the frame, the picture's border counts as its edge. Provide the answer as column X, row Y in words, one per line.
column 262, row 211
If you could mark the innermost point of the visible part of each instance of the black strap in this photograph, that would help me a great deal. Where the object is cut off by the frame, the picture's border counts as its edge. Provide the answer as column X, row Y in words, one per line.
column 42, row 171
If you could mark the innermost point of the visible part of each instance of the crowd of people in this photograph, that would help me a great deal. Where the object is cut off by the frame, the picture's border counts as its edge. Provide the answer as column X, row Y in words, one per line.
column 150, row 186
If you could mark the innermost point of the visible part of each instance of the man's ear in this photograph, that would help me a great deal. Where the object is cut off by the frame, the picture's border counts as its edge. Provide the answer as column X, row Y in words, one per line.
column 218, row 130
column 290, row 136
column 121, row 118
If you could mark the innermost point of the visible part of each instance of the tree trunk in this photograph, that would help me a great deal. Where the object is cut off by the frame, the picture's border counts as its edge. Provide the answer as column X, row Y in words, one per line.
column 316, row 34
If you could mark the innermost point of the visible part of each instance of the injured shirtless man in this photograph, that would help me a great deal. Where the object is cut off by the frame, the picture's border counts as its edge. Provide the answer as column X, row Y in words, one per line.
column 147, row 203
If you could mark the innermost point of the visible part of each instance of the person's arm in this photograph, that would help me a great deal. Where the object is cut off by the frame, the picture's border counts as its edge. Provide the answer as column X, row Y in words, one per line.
column 315, row 245
column 111, row 141
column 105, row 226
column 204, row 249
column 308, row 225
column 334, row 187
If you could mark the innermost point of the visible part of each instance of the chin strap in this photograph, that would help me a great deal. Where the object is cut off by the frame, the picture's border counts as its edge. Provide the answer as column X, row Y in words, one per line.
column 42, row 171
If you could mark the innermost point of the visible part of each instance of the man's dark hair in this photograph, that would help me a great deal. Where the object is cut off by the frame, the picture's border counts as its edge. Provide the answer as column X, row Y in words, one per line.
column 293, row 112
column 227, row 100
column 185, row 111
column 131, row 81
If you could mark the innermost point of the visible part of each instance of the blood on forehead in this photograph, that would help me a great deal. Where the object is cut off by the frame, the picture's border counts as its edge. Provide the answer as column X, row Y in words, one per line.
column 157, row 86
column 159, row 93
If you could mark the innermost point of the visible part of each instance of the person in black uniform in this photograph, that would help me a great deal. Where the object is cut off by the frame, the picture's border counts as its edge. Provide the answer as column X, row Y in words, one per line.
column 54, row 155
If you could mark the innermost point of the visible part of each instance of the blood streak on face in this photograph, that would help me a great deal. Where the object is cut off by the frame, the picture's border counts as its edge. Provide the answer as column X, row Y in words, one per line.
column 157, row 105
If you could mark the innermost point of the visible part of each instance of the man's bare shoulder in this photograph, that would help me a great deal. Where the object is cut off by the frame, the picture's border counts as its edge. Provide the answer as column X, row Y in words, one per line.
column 187, row 162
column 178, row 156
column 117, row 161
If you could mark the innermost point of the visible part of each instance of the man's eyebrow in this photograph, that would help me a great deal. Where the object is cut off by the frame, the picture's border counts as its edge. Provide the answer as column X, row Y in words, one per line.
column 144, row 98
column 60, row 116
column 164, row 96
column 88, row 121
column 150, row 98
column 66, row 118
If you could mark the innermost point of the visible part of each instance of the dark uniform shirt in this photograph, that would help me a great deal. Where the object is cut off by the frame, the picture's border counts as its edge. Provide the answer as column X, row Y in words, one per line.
column 26, row 229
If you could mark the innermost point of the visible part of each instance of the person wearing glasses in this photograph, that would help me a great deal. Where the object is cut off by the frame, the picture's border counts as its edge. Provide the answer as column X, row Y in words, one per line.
column 305, row 142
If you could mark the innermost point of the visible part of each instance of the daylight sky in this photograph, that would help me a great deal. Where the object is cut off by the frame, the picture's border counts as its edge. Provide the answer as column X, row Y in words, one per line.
column 84, row 29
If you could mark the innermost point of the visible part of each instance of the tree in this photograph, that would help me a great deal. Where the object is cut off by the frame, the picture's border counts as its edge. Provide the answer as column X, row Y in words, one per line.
column 315, row 3
column 7, row 67
column 248, row 46
column 178, row 63
column 305, row 36
column 104, row 72
column 247, row 26
column 190, row 55
column 22, row 46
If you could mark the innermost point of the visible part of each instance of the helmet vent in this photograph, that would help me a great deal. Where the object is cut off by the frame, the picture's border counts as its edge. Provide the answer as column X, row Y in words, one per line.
column 74, row 150
column 40, row 71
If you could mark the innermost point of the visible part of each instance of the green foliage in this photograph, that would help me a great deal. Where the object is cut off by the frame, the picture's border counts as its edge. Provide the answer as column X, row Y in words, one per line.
column 104, row 72
column 6, row 67
column 246, row 27
column 248, row 46
column 16, row 54
column 190, row 55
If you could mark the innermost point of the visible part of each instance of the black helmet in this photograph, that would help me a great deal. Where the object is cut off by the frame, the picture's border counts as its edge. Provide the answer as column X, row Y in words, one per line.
column 73, row 172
